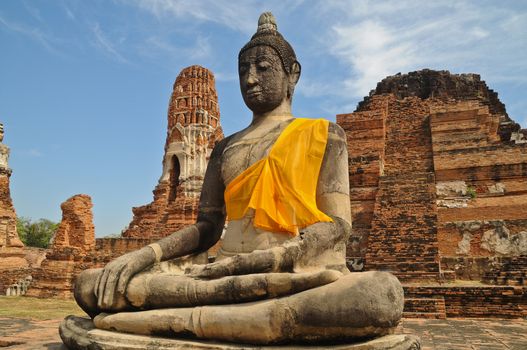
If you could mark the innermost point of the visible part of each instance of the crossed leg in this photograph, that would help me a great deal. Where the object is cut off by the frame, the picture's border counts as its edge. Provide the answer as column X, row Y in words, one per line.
column 357, row 305
column 155, row 290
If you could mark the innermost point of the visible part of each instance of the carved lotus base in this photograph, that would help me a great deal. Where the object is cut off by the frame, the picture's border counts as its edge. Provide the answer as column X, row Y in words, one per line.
column 79, row 333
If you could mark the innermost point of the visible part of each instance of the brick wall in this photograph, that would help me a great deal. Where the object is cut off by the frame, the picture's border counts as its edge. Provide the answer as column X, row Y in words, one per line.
column 392, row 187
column 11, row 276
column 432, row 154
column 471, row 301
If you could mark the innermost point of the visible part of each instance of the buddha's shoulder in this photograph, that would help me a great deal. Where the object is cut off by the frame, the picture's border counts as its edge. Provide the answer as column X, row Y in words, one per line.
column 226, row 142
column 336, row 131
column 220, row 146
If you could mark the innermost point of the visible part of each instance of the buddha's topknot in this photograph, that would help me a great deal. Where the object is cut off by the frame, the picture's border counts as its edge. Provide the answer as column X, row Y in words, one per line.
column 267, row 34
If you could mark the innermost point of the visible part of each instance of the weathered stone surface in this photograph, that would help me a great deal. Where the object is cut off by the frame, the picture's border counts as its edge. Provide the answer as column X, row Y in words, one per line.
column 79, row 333
column 434, row 334
column 193, row 130
column 374, row 299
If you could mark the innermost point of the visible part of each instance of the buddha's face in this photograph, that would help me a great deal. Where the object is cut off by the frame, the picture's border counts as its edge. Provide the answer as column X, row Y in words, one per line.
column 263, row 80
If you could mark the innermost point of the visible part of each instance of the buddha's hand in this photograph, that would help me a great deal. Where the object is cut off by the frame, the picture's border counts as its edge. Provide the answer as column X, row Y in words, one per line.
column 259, row 261
column 111, row 284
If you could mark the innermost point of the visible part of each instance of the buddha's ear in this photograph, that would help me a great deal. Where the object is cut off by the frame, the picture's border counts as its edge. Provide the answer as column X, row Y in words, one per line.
column 294, row 72
column 294, row 75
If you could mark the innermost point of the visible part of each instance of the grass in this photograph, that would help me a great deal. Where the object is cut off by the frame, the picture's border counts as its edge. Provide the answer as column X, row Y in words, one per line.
column 38, row 309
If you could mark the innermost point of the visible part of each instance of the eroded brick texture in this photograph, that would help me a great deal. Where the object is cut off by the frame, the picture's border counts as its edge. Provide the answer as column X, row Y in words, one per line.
column 193, row 130
column 73, row 242
column 76, row 228
column 442, row 85
column 465, row 301
column 438, row 180
column 402, row 235
column 482, row 193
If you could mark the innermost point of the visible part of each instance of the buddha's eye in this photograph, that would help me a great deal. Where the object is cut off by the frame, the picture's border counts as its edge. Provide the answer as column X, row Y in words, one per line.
column 263, row 65
column 242, row 68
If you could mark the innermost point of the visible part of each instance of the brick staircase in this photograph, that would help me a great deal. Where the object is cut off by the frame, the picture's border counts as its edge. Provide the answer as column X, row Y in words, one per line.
column 437, row 301
column 403, row 238
column 512, row 272
column 420, row 307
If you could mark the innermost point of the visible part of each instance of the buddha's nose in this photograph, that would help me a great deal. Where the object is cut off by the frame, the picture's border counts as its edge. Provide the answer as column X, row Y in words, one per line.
column 251, row 78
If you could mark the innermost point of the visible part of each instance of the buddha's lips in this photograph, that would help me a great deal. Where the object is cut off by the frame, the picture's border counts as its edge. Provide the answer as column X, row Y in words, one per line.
column 253, row 93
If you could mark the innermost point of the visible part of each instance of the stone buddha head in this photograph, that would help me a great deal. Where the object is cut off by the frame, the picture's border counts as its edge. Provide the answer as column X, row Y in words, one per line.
column 267, row 68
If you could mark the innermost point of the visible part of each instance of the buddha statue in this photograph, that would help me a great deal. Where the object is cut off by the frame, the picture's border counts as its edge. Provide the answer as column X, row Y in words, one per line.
column 280, row 276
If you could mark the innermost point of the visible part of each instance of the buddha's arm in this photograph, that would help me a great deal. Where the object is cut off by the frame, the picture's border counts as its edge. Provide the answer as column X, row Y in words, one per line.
column 113, row 281
column 332, row 199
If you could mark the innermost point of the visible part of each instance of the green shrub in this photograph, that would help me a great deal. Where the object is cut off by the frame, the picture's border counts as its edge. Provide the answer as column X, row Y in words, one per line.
column 471, row 192
column 37, row 233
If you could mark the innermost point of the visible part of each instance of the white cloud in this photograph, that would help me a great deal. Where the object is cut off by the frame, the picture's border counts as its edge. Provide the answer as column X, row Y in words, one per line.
column 225, row 77
column 33, row 11
column 33, row 152
column 156, row 45
column 201, row 49
column 34, row 33
column 373, row 52
column 104, row 43
column 226, row 13
column 239, row 16
column 309, row 87
column 69, row 13
column 375, row 39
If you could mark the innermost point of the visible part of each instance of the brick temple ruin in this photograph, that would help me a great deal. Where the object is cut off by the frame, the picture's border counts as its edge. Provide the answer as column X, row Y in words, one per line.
column 193, row 130
column 14, row 268
column 438, row 180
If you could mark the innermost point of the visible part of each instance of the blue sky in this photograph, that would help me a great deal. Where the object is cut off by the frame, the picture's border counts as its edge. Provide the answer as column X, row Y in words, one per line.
column 84, row 85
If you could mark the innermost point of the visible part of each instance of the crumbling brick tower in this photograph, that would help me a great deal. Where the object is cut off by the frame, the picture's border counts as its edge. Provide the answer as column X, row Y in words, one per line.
column 8, row 233
column 438, row 181
column 70, row 252
column 193, row 130
column 13, row 265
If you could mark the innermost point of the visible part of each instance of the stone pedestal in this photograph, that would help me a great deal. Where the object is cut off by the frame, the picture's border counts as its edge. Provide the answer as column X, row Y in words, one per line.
column 79, row 333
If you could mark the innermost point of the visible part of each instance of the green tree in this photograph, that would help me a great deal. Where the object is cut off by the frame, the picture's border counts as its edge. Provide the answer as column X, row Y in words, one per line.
column 37, row 233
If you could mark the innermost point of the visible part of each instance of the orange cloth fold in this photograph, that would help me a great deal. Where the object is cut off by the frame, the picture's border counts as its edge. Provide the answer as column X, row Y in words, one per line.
column 281, row 188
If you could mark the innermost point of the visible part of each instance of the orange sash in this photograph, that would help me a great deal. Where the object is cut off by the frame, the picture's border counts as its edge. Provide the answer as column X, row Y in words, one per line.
column 281, row 188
